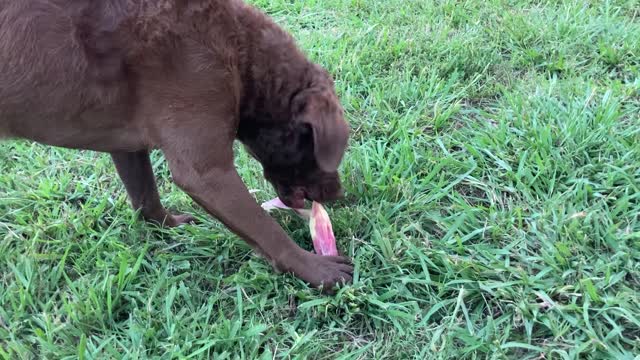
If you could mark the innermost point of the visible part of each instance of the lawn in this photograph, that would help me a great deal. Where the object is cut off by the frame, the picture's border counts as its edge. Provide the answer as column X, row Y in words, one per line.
column 492, row 209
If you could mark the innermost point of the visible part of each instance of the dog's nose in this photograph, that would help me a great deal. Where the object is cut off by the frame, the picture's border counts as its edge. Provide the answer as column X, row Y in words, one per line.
column 294, row 203
column 326, row 194
column 292, row 197
column 334, row 194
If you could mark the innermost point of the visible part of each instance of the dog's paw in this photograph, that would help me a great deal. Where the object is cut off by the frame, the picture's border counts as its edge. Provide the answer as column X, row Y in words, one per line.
column 325, row 272
column 177, row 220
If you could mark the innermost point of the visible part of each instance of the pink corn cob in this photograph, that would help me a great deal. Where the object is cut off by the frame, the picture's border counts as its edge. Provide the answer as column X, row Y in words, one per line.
column 324, row 242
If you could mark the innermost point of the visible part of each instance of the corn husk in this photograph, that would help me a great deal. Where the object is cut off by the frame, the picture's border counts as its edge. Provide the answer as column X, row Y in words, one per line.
column 324, row 241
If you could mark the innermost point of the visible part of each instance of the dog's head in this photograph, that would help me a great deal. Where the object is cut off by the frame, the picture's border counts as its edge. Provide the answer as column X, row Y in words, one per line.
column 300, row 157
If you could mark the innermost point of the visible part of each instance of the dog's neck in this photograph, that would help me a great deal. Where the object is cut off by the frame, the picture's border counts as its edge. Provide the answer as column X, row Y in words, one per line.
column 273, row 71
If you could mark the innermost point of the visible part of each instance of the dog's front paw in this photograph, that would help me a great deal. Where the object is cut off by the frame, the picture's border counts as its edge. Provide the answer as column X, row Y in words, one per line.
column 177, row 220
column 324, row 271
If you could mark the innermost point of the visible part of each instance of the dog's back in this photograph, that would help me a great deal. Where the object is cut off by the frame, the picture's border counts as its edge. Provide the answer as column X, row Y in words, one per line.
column 45, row 77
column 71, row 70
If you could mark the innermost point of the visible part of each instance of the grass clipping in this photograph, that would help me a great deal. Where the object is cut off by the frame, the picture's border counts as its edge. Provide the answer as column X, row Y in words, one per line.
column 324, row 242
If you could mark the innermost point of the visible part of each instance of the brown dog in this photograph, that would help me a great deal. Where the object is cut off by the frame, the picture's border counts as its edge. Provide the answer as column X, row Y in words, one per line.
column 188, row 77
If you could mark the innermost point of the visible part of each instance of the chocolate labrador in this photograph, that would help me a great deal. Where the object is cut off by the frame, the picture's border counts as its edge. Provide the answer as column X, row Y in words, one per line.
column 188, row 77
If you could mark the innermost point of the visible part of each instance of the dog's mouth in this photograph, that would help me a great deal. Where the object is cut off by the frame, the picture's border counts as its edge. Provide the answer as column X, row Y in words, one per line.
column 293, row 197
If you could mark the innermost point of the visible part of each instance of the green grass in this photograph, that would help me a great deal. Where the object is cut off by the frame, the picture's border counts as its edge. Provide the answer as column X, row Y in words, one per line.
column 493, row 206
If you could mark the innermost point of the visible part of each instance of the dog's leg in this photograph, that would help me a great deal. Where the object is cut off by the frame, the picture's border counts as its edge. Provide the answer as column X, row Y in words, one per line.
column 136, row 173
column 201, row 162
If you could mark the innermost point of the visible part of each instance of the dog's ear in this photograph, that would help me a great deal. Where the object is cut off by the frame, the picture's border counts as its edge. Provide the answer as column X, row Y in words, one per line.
column 321, row 110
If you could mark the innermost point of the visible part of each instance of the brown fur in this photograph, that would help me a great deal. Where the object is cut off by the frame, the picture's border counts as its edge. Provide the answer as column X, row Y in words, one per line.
column 188, row 77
